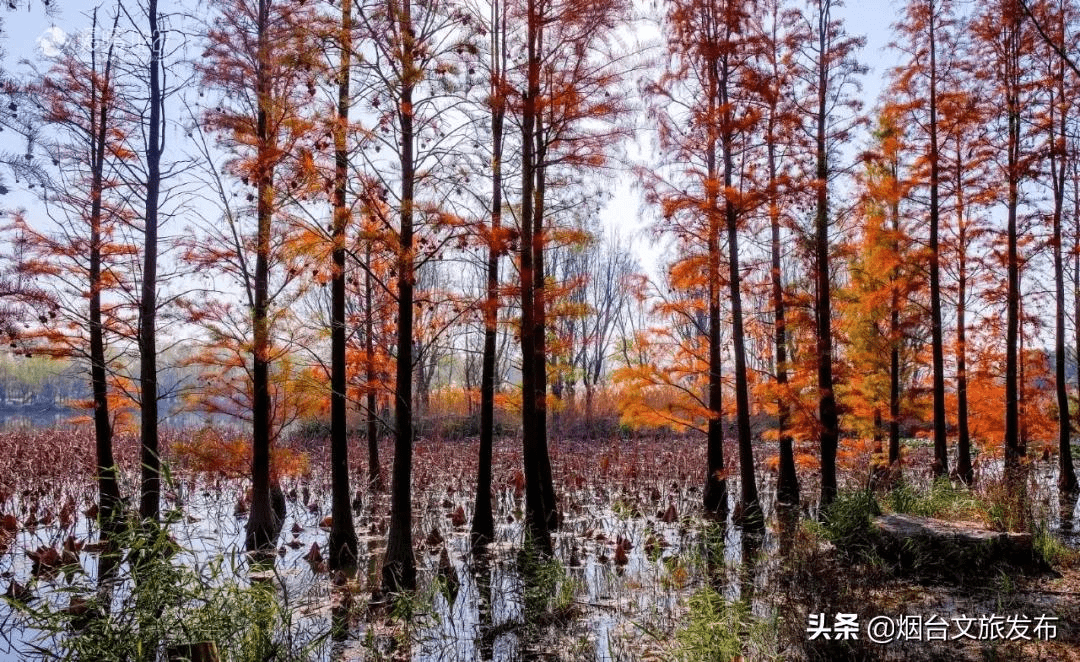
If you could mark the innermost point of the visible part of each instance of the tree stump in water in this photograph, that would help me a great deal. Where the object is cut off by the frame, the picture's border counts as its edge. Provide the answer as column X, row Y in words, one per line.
column 951, row 548
column 203, row 651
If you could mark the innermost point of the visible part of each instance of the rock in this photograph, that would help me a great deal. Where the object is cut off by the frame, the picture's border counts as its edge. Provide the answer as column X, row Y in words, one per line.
column 950, row 548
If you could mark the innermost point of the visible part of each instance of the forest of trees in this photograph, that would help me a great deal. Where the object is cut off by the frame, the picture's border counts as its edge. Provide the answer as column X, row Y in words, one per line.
column 358, row 212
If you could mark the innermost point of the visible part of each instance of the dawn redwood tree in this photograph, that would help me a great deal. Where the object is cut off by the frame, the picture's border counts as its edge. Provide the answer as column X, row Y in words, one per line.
column 829, row 69
column 965, row 155
column 257, row 59
column 416, row 53
column 537, row 463
column 80, row 100
column 923, row 32
column 1005, row 43
column 1060, row 86
column 569, row 110
column 733, row 123
column 711, row 84
column 879, row 317
column 342, row 542
column 779, row 121
column 483, row 524
column 150, row 491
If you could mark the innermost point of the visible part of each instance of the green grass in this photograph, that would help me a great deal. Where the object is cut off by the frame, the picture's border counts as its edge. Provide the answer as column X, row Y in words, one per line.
column 718, row 630
column 170, row 604
column 943, row 500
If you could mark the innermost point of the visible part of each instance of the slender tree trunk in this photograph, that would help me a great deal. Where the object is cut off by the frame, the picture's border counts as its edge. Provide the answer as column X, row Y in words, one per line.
column 108, row 487
column 547, row 487
column 149, row 496
column 374, row 468
column 829, row 431
column 787, row 484
column 483, row 524
column 751, row 508
column 894, row 339
column 715, row 495
column 342, row 541
column 535, row 515
column 1014, row 449
column 963, row 441
column 263, row 525
column 941, row 450
column 1058, row 165
column 399, row 565
column 787, row 488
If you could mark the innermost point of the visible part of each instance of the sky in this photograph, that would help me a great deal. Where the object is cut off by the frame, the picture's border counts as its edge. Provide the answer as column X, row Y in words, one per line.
column 30, row 34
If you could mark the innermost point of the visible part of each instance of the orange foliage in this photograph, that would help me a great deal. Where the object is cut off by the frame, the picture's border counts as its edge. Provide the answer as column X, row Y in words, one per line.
column 214, row 451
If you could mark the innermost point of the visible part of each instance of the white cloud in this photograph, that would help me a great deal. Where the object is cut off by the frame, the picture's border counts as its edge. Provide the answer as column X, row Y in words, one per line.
column 51, row 41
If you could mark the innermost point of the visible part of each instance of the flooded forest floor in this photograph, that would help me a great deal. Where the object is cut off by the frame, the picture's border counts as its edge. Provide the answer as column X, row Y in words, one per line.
column 639, row 571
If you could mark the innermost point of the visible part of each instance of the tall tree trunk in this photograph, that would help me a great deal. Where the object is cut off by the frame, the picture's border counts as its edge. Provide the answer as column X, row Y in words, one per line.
column 894, row 336
column 751, row 508
column 149, row 494
column 787, row 484
column 535, row 515
column 108, row 487
column 963, row 436
column 342, row 541
column 483, row 524
column 715, row 495
column 1014, row 450
column 374, row 468
column 787, row 487
column 829, row 424
column 399, row 565
column 547, row 487
column 1058, row 165
column 263, row 525
column 941, row 451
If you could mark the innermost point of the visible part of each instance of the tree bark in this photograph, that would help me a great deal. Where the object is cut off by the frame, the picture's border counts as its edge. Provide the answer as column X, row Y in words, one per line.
column 263, row 525
column 829, row 424
column 715, row 494
column 342, row 540
column 751, row 509
column 941, row 451
column 108, row 487
column 149, row 494
column 483, row 524
column 535, row 516
column 1058, row 165
column 1014, row 450
column 399, row 565
column 963, row 439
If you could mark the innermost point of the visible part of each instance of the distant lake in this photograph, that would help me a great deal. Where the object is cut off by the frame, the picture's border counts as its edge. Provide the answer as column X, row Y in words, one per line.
column 31, row 416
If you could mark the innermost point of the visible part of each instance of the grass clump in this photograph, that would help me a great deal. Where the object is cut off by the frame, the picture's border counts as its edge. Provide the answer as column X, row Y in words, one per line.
column 847, row 523
column 1051, row 549
column 718, row 630
column 161, row 602
column 944, row 500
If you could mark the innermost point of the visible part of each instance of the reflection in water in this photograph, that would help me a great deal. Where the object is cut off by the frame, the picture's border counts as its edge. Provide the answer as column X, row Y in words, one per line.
column 787, row 524
column 481, row 573
column 752, row 543
column 1067, row 509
